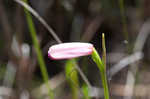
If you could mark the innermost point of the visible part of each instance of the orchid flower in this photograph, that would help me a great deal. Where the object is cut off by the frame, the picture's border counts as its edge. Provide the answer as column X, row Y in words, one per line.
column 70, row 50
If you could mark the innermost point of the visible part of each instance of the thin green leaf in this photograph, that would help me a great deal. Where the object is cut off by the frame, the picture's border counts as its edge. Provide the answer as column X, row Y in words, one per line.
column 38, row 51
column 104, row 50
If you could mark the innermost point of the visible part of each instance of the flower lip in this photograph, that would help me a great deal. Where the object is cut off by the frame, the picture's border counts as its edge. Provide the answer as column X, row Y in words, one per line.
column 69, row 50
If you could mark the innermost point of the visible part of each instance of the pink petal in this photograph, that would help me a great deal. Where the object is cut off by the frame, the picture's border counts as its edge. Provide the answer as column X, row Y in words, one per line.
column 70, row 50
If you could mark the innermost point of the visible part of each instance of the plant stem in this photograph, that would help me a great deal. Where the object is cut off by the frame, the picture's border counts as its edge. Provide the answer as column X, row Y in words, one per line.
column 72, row 77
column 96, row 58
column 38, row 51
column 85, row 90
column 124, row 22
column 104, row 50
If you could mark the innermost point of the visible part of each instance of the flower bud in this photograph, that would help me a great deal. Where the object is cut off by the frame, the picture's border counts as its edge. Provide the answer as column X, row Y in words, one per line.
column 70, row 50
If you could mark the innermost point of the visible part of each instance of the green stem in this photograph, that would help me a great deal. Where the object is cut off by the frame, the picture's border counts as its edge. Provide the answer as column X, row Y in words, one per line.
column 38, row 51
column 72, row 76
column 85, row 90
column 122, row 11
column 96, row 58
column 104, row 50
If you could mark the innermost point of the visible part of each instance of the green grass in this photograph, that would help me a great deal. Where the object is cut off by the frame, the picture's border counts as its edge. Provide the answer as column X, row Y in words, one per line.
column 123, row 19
column 101, row 64
column 38, row 51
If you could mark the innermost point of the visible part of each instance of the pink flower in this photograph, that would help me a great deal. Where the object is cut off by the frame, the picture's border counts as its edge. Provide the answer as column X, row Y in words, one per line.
column 69, row 50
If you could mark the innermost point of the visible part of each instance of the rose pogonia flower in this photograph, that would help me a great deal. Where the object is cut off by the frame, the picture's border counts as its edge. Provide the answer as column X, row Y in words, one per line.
column 70, row 50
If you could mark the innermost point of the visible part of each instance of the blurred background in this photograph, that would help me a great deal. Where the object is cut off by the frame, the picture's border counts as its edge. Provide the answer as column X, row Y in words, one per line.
column 126, row 26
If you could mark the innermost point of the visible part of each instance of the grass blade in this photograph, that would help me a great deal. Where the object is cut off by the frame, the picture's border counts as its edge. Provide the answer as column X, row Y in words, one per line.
column 38, row 50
